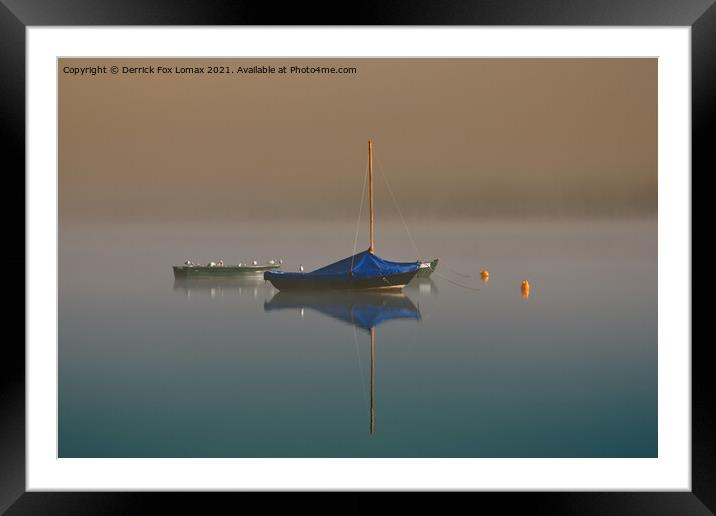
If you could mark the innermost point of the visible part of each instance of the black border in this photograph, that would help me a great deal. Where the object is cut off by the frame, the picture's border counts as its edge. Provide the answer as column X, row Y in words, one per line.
column 16, row 15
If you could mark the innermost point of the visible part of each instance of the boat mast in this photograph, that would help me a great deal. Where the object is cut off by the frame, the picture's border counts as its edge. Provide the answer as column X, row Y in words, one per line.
column 371, row 249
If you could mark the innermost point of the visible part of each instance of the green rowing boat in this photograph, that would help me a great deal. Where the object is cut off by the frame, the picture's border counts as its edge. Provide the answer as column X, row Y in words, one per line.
column 194, row 271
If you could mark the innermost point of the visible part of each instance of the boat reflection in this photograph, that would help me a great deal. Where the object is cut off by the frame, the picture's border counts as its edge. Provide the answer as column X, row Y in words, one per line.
column 248, row 285
column 423, row 286
column 364, row 310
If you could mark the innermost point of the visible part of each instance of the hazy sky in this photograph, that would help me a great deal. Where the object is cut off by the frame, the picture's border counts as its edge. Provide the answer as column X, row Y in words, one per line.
column 454, row 137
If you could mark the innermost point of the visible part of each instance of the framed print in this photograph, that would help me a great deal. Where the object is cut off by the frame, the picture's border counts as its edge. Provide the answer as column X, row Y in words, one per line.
column 442, row 250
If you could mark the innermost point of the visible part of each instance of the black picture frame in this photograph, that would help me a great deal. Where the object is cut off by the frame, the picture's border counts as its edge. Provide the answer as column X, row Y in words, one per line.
column 16, row 15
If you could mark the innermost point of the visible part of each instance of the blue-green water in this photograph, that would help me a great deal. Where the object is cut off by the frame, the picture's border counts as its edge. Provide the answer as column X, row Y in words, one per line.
column 152, row 367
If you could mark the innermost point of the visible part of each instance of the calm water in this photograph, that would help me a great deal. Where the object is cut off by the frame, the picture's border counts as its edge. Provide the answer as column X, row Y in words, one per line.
column 152, row 367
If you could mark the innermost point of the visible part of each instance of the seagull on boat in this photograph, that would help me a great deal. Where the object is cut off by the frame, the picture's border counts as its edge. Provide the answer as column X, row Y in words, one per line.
column 255, row 262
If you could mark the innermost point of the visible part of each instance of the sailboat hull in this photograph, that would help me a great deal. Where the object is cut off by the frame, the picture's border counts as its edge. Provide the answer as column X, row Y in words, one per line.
column 285, row 282
column 427, row 268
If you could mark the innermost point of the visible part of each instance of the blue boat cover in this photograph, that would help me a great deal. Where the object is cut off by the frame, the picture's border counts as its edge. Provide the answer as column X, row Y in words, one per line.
column 363, row 265
column 363, row 310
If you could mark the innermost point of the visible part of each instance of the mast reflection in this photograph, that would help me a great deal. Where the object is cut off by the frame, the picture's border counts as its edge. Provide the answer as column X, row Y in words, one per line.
column 364, row 310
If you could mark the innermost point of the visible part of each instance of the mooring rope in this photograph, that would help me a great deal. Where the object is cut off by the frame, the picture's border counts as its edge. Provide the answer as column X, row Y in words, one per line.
column 455, row 282
column 462, row 275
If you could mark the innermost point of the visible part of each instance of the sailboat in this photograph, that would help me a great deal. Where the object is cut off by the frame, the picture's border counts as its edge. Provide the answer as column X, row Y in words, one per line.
column 364, row 310
column 363, row 271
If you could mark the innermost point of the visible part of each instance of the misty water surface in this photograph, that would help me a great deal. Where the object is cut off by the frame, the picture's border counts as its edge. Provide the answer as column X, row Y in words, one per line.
column 153, row 367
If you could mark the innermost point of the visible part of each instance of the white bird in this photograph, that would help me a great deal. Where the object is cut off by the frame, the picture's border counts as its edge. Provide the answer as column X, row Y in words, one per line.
column 272, row 262
column 280, row 261
column 300, row 267
column 255, row 262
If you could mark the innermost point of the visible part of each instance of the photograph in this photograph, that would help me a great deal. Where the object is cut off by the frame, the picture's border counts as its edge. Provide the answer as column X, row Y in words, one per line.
column 357, row 257
column 273, row 254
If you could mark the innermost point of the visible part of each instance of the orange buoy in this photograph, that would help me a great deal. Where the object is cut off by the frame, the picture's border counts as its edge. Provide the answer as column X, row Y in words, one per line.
column 485, row 275
column 525, row 289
